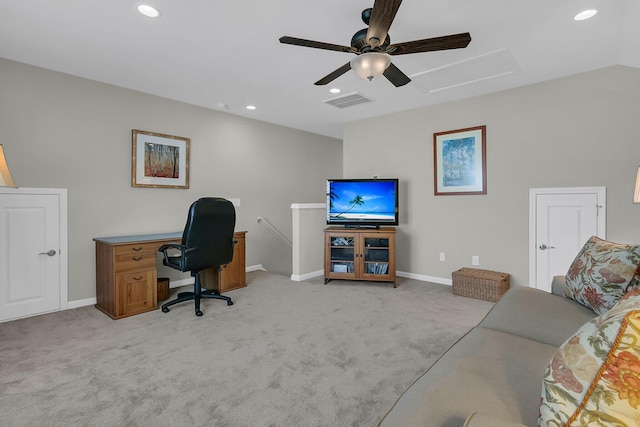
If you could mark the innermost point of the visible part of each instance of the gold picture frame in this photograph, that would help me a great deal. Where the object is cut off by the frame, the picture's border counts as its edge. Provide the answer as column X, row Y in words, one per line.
column 158, row 160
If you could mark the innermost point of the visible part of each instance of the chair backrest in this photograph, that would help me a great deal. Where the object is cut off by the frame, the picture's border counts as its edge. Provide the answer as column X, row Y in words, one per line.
column 208, row 234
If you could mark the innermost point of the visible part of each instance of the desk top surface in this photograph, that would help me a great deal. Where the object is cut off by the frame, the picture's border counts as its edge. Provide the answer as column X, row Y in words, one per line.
column 157, row 237
column 114, row 240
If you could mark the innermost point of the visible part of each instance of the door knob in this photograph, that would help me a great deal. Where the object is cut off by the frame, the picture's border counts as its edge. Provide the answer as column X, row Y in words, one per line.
column 50, row 252
column 544, row 247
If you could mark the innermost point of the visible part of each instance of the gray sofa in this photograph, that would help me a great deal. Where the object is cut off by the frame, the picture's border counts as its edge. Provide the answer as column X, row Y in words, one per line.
column 492, row 377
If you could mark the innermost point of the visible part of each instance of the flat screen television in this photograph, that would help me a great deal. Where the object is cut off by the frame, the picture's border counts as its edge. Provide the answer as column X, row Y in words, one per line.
column 362, row 203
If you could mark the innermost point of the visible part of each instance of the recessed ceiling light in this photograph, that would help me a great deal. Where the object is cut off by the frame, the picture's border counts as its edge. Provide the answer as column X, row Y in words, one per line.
column 586, row 14
column 250, row 107
column 334, row 90
column 149, row 11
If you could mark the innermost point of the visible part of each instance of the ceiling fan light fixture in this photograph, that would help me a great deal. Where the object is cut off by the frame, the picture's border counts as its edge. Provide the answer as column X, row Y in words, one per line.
column 585, row 14
column 371, row 64
column 149, row 11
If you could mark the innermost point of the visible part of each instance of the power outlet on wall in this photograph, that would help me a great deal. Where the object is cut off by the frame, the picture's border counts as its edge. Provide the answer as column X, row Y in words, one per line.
column 475, row 260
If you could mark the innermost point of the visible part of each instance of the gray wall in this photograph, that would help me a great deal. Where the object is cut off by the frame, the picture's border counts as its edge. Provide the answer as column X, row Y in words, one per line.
column 578, row 131
column 60, row 131
column 309, row 222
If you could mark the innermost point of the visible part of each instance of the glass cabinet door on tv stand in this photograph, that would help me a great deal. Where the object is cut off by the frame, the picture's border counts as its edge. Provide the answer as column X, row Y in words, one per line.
column 360, row 254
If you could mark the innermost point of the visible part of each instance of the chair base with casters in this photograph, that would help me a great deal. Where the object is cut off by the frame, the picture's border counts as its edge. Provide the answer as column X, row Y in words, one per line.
column 197, row 295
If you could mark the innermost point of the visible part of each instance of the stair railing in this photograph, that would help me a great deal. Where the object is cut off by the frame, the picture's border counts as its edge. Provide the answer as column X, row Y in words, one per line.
column 275, row 231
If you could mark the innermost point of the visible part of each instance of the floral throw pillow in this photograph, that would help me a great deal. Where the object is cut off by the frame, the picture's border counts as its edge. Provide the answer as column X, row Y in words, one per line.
column 602, row 273
column 594, row 377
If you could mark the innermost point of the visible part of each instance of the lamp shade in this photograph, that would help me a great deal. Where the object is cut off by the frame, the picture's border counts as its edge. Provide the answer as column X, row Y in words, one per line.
column 636, row 193
column 5, row 176
column 370, row 65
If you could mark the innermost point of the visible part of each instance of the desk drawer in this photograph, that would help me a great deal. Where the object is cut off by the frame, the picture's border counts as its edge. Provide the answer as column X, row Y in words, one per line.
column 138, row 262
column 135, row 248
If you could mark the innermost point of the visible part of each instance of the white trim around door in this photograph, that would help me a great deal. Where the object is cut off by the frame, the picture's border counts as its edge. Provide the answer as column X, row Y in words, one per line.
column 63, row 250
column 568, row 195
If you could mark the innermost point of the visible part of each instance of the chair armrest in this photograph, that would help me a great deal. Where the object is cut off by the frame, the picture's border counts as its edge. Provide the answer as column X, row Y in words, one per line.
column 164, row 247
column 558, row 285
column 483, row 420
column 165, row 254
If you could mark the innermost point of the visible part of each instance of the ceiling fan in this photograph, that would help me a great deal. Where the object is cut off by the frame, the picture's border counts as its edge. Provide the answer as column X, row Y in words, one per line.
column 373, row 46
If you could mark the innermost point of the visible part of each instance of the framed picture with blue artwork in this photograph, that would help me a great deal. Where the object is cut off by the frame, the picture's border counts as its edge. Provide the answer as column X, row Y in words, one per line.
column 460, row 161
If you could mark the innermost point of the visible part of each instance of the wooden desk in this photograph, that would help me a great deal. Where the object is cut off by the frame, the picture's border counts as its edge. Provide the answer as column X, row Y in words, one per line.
column 126, row 272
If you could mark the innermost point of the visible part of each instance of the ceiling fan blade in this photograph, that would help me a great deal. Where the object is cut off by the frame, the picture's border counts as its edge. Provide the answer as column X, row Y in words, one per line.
column 334, row 75
column 395, row 76
column 454, row 41
column 384, row 11
column 317, row 45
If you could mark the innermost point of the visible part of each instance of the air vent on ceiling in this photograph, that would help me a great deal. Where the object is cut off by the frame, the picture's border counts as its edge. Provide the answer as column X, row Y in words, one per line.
column 347, row 100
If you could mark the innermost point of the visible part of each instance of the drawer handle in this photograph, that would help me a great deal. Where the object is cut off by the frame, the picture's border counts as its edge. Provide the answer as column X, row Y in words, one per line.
column 136, row 258
column 137, row 277
column 137, row 249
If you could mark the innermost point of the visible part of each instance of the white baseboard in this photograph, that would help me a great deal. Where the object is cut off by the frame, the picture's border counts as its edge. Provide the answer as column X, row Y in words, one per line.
column 189, row 280
column 257, row 267
column 79, row 303
column 70, row 305
column 181, row 282
column 421, row 277
column 424, row 278
column 301, row 277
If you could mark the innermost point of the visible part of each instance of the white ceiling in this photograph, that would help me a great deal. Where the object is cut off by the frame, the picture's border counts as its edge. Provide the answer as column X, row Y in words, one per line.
column 208, row 52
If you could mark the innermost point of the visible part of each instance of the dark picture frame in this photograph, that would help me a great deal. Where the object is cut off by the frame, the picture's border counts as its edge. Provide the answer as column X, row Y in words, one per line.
column 460, row 161
column 159, row 161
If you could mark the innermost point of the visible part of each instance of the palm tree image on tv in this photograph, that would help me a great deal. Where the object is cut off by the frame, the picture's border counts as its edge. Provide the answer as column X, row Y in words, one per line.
column 332, row 196
column 357, row 201
column 361, row 200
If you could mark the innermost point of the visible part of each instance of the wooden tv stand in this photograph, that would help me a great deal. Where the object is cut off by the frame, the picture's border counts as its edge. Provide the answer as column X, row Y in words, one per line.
column 360, row 254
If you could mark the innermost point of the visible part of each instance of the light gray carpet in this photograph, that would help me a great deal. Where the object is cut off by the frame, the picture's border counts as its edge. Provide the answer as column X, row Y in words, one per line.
column 286, row 354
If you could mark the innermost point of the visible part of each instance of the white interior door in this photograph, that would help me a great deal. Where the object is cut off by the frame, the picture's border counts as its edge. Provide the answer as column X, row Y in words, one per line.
column 561, row 222
column 31, row 241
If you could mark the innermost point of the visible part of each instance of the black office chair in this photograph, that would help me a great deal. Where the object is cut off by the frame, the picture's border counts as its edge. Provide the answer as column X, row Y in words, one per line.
column 207, row 241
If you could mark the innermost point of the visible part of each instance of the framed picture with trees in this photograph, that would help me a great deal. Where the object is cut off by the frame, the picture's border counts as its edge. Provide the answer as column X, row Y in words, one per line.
column 159, row 161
